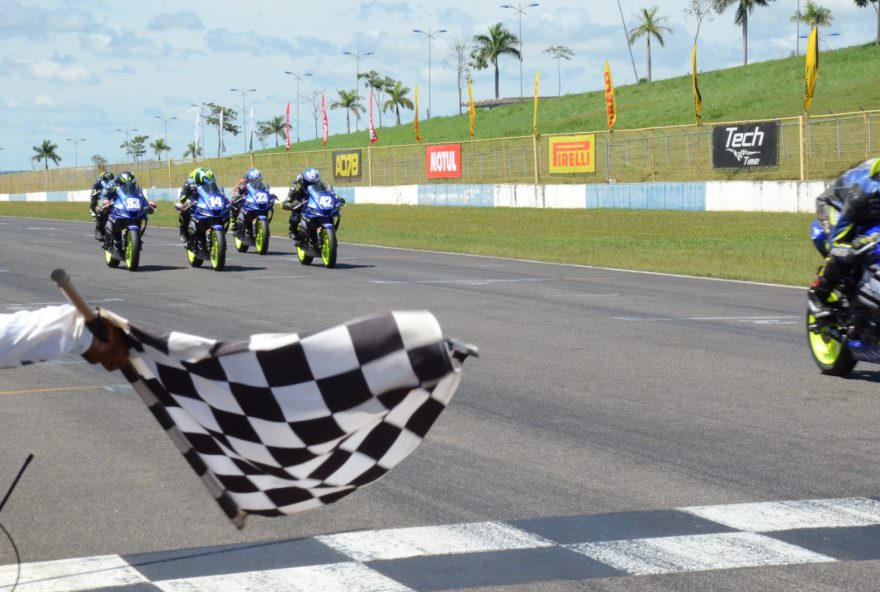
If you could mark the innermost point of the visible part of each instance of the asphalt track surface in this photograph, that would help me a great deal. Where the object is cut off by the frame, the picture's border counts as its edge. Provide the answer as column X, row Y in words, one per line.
column 597, row 392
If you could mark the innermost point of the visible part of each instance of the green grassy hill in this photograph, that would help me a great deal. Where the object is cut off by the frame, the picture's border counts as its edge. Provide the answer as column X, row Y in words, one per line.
column 849, row 78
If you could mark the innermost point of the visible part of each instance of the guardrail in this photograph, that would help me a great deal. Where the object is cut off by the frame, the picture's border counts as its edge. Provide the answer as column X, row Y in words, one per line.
column 816, row 147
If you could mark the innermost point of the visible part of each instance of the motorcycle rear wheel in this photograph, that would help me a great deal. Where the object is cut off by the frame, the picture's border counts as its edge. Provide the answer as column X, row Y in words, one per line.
column 832, row 357
column 193, row 260
column 240, row 245
column 303, row 257
column 110, row 260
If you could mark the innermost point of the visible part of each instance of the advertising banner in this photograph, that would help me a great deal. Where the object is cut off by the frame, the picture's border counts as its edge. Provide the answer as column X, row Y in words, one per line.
column 444, row 161
column 573, row 154
column 746, row 145
column 347, row 165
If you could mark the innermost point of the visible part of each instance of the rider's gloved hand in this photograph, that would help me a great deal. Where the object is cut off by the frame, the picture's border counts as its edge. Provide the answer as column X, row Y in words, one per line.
column 844, row 253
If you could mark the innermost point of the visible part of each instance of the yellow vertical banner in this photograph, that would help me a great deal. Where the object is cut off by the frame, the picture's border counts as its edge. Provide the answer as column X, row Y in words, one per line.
column 416, row 119
column 471, row 112
column 698, row 98
column 535, row 116
column 812, row 67
column 610, row 102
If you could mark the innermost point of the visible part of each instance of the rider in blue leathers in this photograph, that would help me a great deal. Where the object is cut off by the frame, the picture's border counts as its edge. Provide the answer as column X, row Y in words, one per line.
column 857, row 193
column 101, row 187
column 253, row 178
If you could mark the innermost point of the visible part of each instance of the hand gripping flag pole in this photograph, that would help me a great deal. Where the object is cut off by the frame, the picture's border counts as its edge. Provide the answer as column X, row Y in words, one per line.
column 236, row 515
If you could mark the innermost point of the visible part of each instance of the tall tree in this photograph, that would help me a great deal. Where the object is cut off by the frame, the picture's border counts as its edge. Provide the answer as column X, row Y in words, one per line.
column 135, row 147
column 743, row 10
column 876, row 5
column 229, row 118
column 192, row 151
column 650, row 25
column 380, row 86
column 700, row 10
column 99, row 161
column 559, row 52
column 46, row 152
column 488, row 48
column 159, row 146
column 813, row 16
column 315, row 102
column 396, row 99
column 274, row 126
column 458, row 55
column 351, row 102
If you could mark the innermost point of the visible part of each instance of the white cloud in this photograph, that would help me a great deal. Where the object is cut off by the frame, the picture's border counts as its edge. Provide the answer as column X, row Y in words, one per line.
column 24, row 21
column 56, row 70
column 125, row 43
column 186, row 20
column 45, row 101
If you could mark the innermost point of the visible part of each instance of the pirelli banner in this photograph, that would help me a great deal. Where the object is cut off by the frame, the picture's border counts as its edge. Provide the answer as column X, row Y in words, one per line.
column 573, row 154
column 745, row 146
column 347, row 165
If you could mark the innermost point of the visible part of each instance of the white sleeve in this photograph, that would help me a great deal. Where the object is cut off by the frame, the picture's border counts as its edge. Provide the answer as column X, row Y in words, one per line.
column 38, row 335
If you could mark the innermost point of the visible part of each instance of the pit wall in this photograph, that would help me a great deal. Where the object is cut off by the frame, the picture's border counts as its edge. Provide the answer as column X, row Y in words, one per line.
column 710, row 196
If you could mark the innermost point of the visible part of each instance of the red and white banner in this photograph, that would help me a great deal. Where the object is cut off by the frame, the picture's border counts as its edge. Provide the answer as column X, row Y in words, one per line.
column 444, row 161
column 287, row 125
column 324, row 125
column 373, row 137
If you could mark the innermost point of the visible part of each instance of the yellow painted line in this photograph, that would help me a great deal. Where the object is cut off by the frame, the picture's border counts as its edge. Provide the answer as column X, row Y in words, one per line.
column 58, row 389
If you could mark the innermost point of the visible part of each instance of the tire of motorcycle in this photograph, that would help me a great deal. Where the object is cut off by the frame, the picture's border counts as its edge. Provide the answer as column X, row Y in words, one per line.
column 217, row 247
column 328, row 247
column 240, row 245
column 303, row 257
column 110, row 260
column 132, row 247
column 193, row 260
column 261, row 236
column 832, row 357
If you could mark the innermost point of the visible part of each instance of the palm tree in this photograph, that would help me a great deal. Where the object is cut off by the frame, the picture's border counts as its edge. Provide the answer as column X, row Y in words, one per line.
column 743, row 9
column 159, row 146
column 490, row 47
column 814, row 16
column 559, row 52
column 351, row 102
column 46, row 152
column 192, row 150
column 876, row 5
column 396, row 99
column 649, row 26
column 275, row 126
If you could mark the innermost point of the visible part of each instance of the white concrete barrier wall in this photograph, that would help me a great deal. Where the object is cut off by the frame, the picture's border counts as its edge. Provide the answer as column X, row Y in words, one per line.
column 763, row 196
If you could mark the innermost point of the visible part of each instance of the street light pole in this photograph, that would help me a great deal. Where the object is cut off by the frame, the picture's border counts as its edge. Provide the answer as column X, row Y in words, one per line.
column 299, row 78
column 127, row 130
column 165, row 119
column 201, row 125
column 430, row 35
column 357, row 94
column 75, row 146
column 243, row 125
column 520, row 10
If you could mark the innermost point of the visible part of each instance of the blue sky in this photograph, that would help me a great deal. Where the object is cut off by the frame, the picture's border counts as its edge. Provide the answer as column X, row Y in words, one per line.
column 85, row 68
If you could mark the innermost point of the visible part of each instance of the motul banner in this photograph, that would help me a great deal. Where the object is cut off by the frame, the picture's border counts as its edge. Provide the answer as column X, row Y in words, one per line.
column 443, row 162
column 347, row 165
column 746, row 145
column 573, row 154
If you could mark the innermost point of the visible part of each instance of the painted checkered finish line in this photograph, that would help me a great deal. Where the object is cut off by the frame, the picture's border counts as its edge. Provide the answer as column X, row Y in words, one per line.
column 458, row 556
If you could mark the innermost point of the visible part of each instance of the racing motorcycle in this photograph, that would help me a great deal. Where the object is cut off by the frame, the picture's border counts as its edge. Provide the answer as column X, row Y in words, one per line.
column 851, row 334
column 125, row 228
column 317, row 227
column 252, row 225
column 206, row 233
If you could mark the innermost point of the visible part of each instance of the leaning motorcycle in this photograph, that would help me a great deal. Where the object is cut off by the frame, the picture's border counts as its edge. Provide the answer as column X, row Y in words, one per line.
column 316, row 232
column 206, row 233
column 125, row 228
column 252, row 224
column 851, row 334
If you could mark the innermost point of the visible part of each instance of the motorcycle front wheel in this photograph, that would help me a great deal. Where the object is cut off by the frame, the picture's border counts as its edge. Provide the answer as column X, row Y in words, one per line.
column 131, row 241
column 261, row 235
column 328, row 247
column 217, row 247
column 831, row 356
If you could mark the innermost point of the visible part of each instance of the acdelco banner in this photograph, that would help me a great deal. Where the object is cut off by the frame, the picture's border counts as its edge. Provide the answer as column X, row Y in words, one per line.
column 347, row 164
column 443, row 162
column 573, row 154
column 745, row 146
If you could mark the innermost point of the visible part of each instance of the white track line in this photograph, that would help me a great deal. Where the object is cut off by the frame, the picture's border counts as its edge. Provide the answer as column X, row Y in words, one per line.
column 774, row 516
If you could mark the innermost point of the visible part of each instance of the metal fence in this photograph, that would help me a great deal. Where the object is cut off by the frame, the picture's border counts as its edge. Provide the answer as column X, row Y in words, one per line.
column 816, row 147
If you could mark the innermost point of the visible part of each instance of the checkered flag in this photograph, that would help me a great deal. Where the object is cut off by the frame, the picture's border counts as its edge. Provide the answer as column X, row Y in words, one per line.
column 281, row 423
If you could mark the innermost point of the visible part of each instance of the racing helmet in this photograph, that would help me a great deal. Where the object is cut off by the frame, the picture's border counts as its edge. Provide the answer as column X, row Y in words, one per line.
column 127, row 182
column 107, row 176
column 311, row 176
column 202, row 176
column 254, row 176
column 874, row 173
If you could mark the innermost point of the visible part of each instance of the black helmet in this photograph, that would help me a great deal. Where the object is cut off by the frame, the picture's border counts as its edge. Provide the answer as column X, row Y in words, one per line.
column 107, row 176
